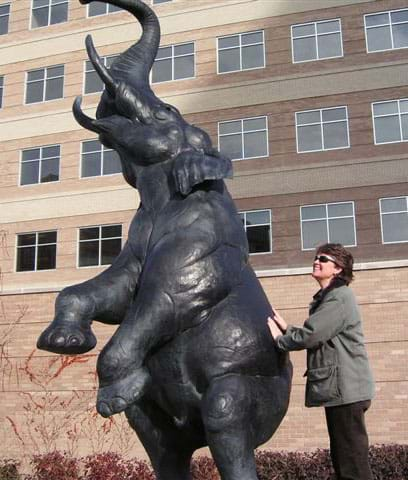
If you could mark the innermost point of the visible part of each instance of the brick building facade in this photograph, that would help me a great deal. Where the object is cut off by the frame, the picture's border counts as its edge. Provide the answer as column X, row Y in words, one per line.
column 310, row 101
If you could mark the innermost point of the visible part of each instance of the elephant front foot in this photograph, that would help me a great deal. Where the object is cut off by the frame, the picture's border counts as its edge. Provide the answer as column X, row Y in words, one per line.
column 120, row 394
column 66, row 339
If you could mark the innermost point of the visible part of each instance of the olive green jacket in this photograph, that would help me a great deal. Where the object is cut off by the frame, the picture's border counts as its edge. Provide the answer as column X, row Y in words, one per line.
column 338, row 371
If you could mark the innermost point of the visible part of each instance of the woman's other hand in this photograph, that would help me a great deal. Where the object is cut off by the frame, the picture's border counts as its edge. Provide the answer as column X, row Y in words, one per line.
column 273, row 327
column 279, row 321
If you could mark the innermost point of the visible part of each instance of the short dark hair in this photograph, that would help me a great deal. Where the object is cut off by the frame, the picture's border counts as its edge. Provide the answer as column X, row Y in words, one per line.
column 344, row 259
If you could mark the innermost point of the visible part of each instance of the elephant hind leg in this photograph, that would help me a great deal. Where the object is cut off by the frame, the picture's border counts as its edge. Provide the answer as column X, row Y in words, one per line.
column 169, row 452
column 226, row 411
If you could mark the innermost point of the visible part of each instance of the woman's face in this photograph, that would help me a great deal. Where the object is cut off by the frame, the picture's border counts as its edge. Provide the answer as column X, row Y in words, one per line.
column 324, row 268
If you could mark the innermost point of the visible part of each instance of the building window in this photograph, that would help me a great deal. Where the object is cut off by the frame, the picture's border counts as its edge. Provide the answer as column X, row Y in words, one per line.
column 386, row 30
column 99, row 245
column 242, row 139
column 97, row 160
column 100, row 8
column 4, row 18
column 390, row 121
column 1, row 91
column 243, row 51
column 157, row 2
column 394, row 219
column 40, row 165
column 325, row 129
column 48, row 12
column 174, row 62
column 93, row 83
column 36, row 251
column 330, row 222
column 258, row 227
column 45, row 84
column 316, row 41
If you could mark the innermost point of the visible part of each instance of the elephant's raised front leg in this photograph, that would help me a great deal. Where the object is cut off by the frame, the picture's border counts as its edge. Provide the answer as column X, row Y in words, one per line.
column 104, row 298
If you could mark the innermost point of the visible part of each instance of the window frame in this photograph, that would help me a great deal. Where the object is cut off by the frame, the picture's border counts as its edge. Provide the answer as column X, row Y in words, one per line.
column 103, row 149
column 44, row 84
column 321, row 128
column 99, row 243
column 242, row 135
column 327, row 222
column 17, row 248
column 41, row 147
column 172, row 62
column 7, row 4
column 102, row 14
column 391, row 213
column 49, row 14
column 316, row 35
column 85, row 71
column 161, row 2
column 388, row 24
column 240, row 51
column 373, row 117
column 245, row 212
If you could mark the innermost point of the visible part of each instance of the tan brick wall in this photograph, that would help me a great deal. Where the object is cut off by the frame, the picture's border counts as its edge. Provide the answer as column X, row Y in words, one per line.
column 383, row 298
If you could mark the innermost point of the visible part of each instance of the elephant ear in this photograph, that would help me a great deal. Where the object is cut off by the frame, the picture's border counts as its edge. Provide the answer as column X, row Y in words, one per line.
column 193, row 167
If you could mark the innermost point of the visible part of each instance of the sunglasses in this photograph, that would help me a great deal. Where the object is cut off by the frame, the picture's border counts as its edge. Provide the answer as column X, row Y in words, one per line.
column 324, row 258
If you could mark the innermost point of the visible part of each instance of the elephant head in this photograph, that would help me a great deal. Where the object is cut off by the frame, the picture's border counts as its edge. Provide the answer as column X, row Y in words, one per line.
column 138, row 125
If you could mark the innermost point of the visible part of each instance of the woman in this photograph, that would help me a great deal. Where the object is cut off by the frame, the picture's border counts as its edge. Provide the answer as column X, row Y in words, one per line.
column 338, row 373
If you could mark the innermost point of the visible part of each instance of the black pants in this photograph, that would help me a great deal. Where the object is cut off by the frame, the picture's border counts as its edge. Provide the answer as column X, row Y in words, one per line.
column 349, row 441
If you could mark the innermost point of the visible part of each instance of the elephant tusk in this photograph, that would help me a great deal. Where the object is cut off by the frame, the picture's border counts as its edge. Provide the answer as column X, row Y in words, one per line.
column 81, row 118
column 99, row 66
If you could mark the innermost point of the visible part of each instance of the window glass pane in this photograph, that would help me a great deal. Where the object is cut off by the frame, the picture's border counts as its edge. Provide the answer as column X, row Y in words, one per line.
column 254, row 124
column 248, row 38
column 184, row 49
column 162, row 71
column 184, row 67
column 314, row 233
column 164, row 52
column 304, row 49
column 4, row 19
column 26, row 239
column 395, row 227
column 93, row 83
column 228, row 60
column 32, row 154
column 110, row 231
column 387, row 129
column 393, row 204
column 341, row 230
column 39, row 17
column 91, row 146
column 49, row 170
column 52, row 151
column 96, row 8
column 252, row 57
column 231, row 146
column 46, row 257
column 111, row 163
column 329, row 45
column 400, row 34
column 89, row 233
column 379, row 38
column 47, row 237
column 255, row 144
column 385, row 108
column 54, row 88
column 29, row 173
column 313, row 211
column 333, row 114
column 228, row 42
column 404, row 106
column 330, row 26
column 114, row 8
column 89, row 254
column 40, row 3
column 259, row 239
column 335, row 135
column 57, row 71
column 36, row 75
column 59, row 13
column 339, row 209
column 301, row 30
column 378, row 19
column 110, row 250
column 91, row 165
column 230, row 127
column 309, row 138
column 26, row 259
column 35, row 92
column 404, row 124
column 401, row 16
column 259, row 217
column 303, row 118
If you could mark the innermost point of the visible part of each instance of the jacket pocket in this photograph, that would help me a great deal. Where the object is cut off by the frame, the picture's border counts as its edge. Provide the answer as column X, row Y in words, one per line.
column 322, row 386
